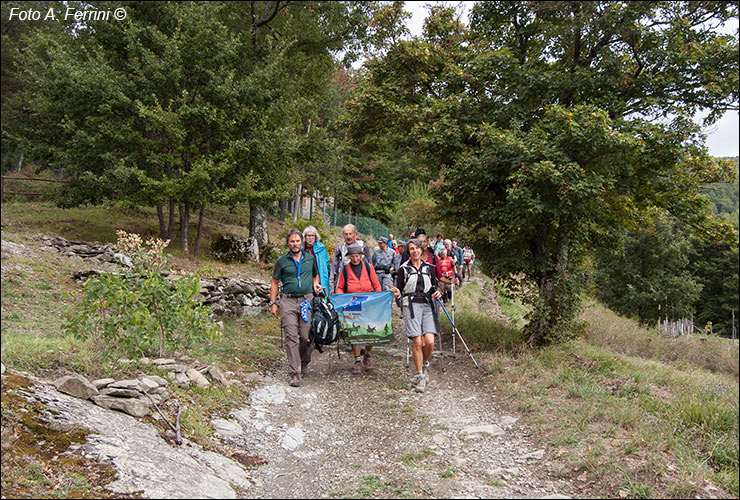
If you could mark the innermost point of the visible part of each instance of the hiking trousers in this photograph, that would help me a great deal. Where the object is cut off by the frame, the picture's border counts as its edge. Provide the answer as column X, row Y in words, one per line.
column 296, row 331
column 385, row 280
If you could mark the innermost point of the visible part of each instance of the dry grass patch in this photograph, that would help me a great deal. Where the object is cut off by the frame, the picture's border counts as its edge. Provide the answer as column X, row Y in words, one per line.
column 623, row 335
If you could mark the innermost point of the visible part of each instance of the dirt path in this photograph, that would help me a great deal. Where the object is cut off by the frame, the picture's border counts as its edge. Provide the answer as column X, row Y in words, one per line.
column 344, row 435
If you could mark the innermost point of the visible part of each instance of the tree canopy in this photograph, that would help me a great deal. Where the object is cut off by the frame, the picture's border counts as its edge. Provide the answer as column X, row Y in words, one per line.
column 550, row 125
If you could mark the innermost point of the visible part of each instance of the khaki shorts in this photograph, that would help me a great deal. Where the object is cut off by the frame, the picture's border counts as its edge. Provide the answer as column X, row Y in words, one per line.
column 422, row 322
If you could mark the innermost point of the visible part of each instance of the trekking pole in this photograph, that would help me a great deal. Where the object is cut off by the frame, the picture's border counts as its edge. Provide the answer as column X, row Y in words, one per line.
column 454, row 352
column 435, row 310
column 408, row 351
column 455, row 330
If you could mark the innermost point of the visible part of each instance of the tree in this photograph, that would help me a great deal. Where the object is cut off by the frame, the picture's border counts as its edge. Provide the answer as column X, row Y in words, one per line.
column 541, row 121
column 191, row 103
column 648, row 276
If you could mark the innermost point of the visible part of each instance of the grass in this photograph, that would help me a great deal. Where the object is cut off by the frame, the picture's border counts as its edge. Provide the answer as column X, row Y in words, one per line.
column 416, row 459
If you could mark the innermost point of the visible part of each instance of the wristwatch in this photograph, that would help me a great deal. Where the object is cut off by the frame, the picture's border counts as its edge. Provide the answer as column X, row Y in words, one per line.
column 271, row 303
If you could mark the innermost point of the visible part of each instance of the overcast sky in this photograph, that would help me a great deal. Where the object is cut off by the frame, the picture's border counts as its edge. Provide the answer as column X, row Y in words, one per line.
column 723, row 138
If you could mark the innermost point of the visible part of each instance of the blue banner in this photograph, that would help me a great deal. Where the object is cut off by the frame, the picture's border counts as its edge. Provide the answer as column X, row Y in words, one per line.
column 366, row 317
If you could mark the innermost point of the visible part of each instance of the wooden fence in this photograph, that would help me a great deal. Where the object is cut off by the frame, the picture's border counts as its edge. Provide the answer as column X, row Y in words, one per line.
column 5, row 178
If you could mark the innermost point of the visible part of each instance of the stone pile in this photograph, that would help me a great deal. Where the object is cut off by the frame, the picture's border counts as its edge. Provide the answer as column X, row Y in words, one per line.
column 87, row 251
column 136, row 396
column 234, row 296
column 226, row 296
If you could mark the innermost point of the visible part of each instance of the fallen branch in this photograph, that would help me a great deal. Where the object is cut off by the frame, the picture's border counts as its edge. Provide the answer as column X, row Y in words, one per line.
column 178, row 439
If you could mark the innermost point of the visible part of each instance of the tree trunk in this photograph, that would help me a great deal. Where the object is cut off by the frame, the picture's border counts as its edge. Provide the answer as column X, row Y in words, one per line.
column 258, row 226
column 162, row 225
column 171, row 225
column 200, row 227
column 310, row 210
column 184, row 221
column 297, row 205
column 334, row 215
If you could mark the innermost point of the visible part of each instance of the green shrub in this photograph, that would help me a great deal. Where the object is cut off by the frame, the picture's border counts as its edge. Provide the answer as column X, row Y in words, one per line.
column 140, row 312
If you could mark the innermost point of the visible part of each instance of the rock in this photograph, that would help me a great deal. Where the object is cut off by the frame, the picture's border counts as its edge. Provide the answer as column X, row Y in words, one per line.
column 163, row 361
column 271, row 394
column 557, row 496
column 180, row 379
column 120, row 392
column 132, row 384
column 197, row 378
column 507, row 421
column 218, row 375
column 2, row 368
column 102, row 382
column 132, row 406
column 227, row 428
column 535, row 455
column 76, row 385
column 175, row 368
column 293, row 438
column 478, row 431
column 159, row 380
column 148, row 385
column 145, row 361
column 122, row 259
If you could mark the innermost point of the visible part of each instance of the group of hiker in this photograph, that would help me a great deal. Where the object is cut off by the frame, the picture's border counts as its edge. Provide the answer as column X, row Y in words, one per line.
column 416, row 271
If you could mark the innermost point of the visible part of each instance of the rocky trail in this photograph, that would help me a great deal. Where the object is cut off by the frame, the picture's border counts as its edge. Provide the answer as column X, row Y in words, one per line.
column 338, row 435
column 344, row 435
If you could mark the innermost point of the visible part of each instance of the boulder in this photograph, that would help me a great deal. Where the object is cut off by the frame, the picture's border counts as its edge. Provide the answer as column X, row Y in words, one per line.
column 102, row 382
column 119, row 392
column 218, row 375
column 132, row 384
column 133, row 406
column 76, row 385
column 197, row 378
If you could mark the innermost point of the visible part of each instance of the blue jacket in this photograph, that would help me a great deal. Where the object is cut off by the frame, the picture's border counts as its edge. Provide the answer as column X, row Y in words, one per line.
column 322, row 262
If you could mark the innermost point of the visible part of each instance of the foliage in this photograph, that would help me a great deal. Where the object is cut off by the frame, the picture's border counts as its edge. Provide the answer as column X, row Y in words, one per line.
column 536, row 122
column 140, row 312
column 714, row 266
column 647, row 275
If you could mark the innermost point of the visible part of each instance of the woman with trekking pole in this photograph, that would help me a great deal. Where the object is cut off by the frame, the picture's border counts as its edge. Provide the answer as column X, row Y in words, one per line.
column 415, row 290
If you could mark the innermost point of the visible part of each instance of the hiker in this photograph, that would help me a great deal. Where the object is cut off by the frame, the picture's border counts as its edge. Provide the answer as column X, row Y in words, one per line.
column 468, row 259
column 394, row 246
column 312, row 243
column 358, row 276
column 340, row 255
column 401, row 250
column 299, row 274
column 383, row 263
column 438, row 244
column 446, row 273
column 419, row 233
column 458, row 253
column 416, row 287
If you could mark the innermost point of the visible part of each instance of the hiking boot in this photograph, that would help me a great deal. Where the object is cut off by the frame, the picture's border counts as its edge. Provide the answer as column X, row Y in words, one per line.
column 304, row 370
column 358, row 368
column 295, row 380
column 425, row 368
column 421, row 383
column 368, row 362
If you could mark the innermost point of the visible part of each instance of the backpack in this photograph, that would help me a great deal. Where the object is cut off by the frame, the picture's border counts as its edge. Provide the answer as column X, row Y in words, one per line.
column 325, row 325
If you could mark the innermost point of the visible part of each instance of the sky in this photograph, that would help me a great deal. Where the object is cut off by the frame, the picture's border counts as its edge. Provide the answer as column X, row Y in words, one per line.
column 723, row 138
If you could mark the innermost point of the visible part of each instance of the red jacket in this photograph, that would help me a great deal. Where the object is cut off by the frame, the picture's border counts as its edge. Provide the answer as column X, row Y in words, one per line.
column 366, row 283
column 446, row 267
